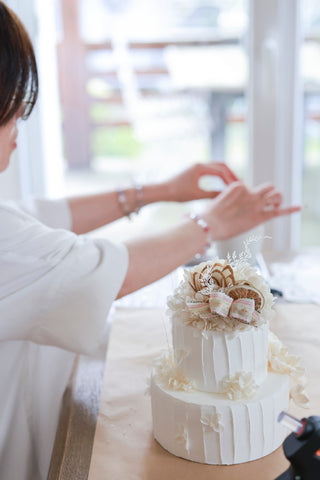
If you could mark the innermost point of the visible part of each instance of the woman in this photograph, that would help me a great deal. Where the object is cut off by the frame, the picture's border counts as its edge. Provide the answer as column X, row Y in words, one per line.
column 56, row 287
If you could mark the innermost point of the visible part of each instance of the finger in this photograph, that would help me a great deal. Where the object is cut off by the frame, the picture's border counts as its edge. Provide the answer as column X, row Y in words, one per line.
column 213, row 194
column 222, row 170
column 233, row 193
column 264, row 189
column 273, row 199
column 207, row 194
column 228, row 172
column 288, row 210
column 280, row 212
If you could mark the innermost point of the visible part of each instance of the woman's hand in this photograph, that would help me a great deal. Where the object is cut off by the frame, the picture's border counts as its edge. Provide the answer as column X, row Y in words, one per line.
column 93, row 211
column 234, row 211
column 238, row 209
column 185, row 186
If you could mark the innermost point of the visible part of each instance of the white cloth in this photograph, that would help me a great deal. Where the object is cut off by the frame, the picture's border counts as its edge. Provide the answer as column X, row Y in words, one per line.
column 56, row 289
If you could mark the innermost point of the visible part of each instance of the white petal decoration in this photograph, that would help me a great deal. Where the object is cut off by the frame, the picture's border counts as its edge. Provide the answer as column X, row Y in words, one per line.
column 182, row 436
column 241, row 385
column 213, row 421
column 169, row 373
column 300, row 396
column 280, row 361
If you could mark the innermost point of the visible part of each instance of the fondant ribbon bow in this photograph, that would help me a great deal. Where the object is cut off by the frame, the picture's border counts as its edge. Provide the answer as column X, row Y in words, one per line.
column 222, row 304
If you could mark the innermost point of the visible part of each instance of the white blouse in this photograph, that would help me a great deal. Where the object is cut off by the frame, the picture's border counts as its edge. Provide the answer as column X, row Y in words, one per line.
column 56, row 289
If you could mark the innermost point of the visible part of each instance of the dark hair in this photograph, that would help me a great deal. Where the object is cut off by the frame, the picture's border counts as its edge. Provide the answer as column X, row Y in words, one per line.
column 18, row 69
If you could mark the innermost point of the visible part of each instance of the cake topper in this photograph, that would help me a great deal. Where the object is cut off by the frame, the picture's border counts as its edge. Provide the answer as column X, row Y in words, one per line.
column 224, row 296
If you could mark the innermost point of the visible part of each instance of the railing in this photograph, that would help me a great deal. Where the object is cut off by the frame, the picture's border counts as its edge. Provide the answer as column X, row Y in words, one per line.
column 75, row 74
column 150, row 81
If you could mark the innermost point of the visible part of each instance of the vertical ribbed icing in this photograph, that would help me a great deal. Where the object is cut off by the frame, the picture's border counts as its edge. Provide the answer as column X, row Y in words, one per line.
column 186, row 423
column 215, row 356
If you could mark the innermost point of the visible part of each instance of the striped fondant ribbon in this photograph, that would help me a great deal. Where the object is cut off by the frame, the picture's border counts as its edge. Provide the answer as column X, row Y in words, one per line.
column 221, row 304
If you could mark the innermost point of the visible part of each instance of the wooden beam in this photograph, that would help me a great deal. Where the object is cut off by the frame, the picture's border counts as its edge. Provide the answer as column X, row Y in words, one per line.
column 161, row 44
column 71, row 54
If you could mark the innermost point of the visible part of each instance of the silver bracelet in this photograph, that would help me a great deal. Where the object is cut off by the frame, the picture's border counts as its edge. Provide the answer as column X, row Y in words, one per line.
column 123, row 203
column 139, row 198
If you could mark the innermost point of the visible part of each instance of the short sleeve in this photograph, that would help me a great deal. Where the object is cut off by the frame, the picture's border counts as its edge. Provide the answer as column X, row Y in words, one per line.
column 56, row 288
column 54, row 213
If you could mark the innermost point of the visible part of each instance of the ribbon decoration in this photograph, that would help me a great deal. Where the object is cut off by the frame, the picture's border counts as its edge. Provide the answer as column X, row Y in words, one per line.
column 242, row 309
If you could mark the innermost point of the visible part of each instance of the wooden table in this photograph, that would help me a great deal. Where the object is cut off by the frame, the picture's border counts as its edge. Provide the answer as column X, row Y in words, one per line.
column 124, row 448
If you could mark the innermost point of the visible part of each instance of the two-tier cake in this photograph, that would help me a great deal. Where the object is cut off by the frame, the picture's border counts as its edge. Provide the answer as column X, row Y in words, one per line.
column 214, row 399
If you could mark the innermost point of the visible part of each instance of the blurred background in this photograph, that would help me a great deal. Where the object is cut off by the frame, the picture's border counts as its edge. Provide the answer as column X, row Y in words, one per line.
column 135, row 90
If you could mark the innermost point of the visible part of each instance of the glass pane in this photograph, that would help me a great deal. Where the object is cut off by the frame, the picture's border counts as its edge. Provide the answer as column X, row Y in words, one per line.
column 310, row 61
column 151, row 18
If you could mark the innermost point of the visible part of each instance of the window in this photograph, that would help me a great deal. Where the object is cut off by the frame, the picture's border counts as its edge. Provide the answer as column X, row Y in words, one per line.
column 202, row 79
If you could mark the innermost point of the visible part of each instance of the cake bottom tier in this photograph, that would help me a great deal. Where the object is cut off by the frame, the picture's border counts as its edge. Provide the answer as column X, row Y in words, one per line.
column 210, row 428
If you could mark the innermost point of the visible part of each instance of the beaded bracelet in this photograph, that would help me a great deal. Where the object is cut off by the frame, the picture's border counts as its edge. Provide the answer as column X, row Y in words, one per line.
column 203, row 224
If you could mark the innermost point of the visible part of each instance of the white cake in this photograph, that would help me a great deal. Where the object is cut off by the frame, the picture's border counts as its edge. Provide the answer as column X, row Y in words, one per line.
column 213, row 399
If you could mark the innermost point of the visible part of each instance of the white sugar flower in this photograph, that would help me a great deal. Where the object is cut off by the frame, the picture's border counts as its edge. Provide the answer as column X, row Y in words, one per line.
column 169, row 373
column 213, row 421
column 241, row 385
column 300, row 396
column 280, row 361
column 182, row 436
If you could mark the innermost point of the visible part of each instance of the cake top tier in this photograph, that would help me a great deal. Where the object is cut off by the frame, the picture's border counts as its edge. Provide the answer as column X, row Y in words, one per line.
column 223, row 296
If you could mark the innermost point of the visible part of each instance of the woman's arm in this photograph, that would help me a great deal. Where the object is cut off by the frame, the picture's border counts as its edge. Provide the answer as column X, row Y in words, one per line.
column 234, row 211
column 94, row 211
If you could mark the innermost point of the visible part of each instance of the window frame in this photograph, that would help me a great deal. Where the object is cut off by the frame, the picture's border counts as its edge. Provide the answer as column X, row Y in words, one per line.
column 275, row 98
